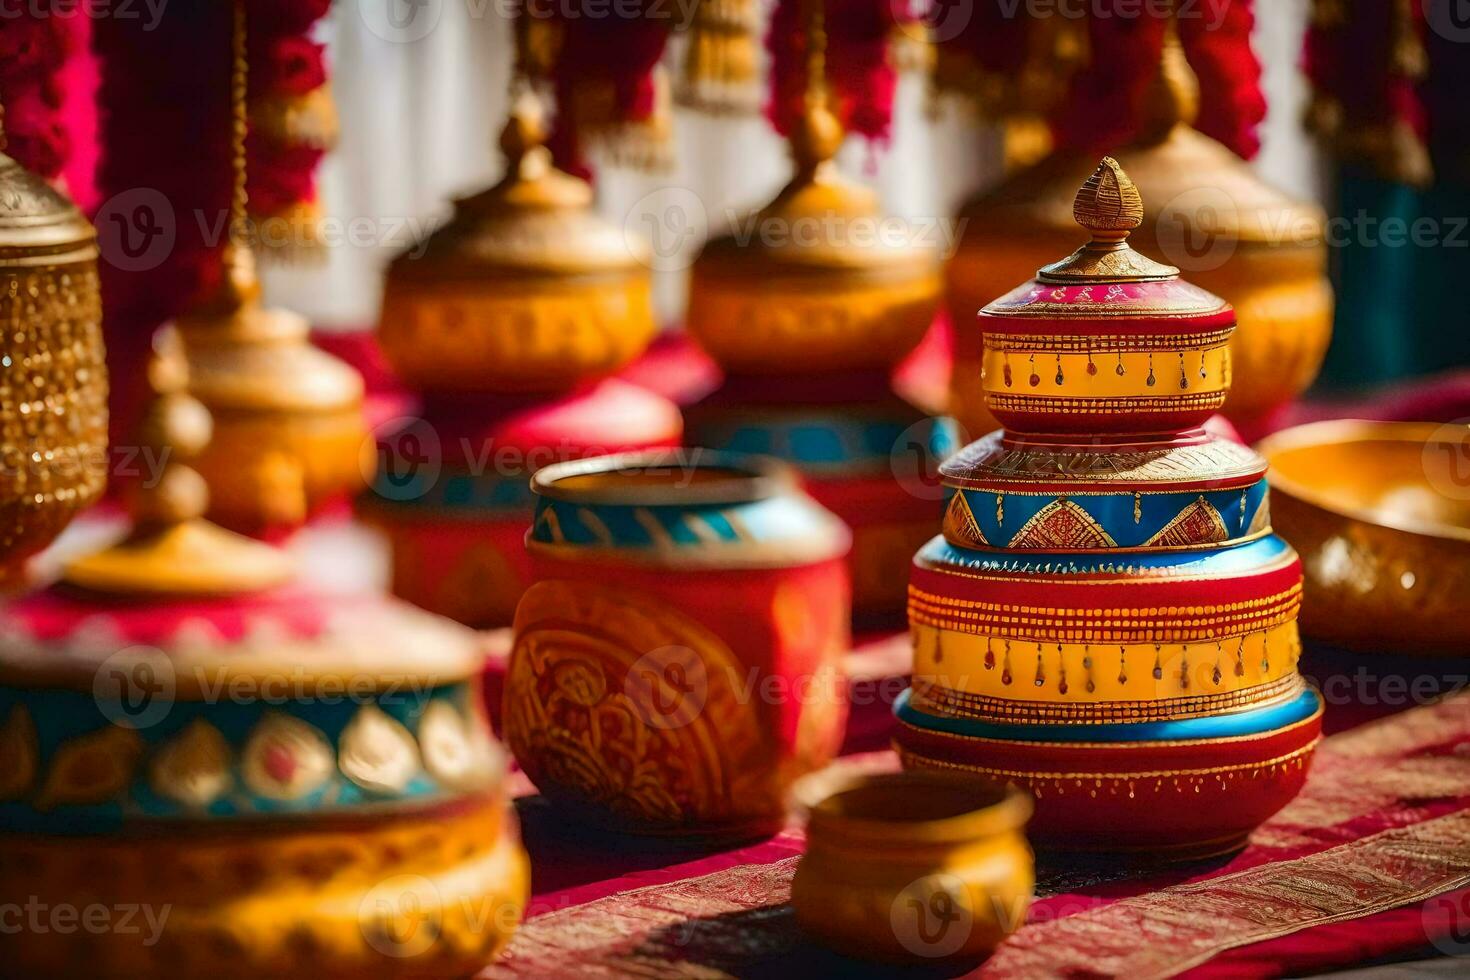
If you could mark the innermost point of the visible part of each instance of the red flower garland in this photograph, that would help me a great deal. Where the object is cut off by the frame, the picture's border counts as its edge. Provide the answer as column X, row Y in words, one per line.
column 34, row 51
column 607, row 83
column 1231, row 102
column 860, row 74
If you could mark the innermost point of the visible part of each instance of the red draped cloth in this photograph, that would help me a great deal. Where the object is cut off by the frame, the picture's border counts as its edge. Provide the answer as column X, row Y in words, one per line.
column 1371, row 860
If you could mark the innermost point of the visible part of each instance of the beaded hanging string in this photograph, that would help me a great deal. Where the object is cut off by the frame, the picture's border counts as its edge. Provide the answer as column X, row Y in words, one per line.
column 239, row 131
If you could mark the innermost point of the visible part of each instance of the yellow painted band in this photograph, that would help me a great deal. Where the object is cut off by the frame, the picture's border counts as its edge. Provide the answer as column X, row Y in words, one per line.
column 1205, row 371
column 1090, row 673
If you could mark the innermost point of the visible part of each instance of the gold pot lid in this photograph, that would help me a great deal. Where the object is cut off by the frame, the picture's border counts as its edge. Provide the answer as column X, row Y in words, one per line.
column 820, row 223
column 37, row 222
column 246, row 356
column 537, row 221
column 1189, row 182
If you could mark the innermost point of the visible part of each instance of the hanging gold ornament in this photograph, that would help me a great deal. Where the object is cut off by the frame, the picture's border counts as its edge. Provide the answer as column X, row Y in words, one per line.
column 53, row 380
column 525, row 289
column 1207, row 213
column 820, row 279
column 721, row 71
column 172, row 550
column 288, row 428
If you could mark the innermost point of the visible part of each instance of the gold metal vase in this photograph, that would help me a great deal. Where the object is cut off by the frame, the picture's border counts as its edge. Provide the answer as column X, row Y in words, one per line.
column 53, row 380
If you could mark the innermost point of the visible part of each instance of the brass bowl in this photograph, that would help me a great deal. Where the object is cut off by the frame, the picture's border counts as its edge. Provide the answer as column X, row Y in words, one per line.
column 915, row 866
column 1380, row 512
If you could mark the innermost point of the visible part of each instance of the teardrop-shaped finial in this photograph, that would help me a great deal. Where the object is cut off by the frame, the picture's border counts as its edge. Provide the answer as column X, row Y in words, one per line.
column 1107, row 203
column 1109, row 206
column 172, row 551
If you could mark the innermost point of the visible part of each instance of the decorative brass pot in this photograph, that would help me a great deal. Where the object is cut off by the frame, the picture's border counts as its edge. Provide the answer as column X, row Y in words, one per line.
column 53, row 381
column 815, row 281
column 1380, row 512
column 1206, row 213
column 919, row 866
column 525, row 289
column 289, row 434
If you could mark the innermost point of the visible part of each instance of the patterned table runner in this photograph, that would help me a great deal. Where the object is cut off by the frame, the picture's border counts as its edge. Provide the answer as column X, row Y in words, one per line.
column 1383, row 823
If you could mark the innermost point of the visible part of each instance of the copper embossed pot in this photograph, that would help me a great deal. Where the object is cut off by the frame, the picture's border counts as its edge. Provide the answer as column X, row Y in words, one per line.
column 1380, row 512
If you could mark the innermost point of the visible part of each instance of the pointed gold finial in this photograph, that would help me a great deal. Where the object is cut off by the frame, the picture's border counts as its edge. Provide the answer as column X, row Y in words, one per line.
column 817, row 136
column 1172, row 98
column 1108, row 204
column 172, row 550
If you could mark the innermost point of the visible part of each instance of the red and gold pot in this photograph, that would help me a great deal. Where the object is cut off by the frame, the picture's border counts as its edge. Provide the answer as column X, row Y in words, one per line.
column 871, row 461
column 677, row 662
column 451, row 489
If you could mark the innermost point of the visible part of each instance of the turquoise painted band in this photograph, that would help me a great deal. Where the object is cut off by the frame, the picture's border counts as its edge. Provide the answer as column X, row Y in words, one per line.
column 62, row 716
column 1254, row 721
column 1114, row 512
column 1224, row 560
column 817, row 444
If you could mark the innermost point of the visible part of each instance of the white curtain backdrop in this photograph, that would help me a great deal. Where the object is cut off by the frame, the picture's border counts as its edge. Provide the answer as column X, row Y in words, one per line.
column 422, row 101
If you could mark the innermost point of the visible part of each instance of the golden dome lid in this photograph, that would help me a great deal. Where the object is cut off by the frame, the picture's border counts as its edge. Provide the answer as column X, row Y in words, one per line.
column 536, row 221
column 820, row 223
column 37, row 222
column 244, row 355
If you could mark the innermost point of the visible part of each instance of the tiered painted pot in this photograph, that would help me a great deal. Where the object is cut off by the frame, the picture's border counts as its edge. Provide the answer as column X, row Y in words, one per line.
column 678, row 661
column 807, row 308
column 1235, row 235
column 507, row 322
column 1107, row 618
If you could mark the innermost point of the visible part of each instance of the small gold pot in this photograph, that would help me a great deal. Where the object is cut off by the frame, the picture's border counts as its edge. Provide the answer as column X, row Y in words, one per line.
column 913, row 866
column 1380, row 513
